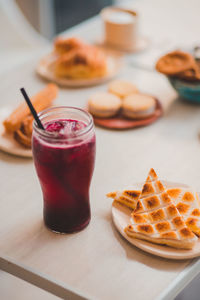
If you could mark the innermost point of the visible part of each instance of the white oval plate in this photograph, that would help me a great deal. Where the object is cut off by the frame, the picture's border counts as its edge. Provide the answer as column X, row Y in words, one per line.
column 121, row 218
column 141, row 44
column 7, row 142
column 45, row 70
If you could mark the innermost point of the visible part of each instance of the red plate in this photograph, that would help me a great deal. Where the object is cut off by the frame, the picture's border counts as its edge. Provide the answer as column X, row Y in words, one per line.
column 120, row 122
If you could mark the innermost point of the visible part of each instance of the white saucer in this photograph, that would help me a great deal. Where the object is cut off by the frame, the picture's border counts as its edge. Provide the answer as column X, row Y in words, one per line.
column 121, row 218
column 7, row 143
column 45, row 70
column 142, row 44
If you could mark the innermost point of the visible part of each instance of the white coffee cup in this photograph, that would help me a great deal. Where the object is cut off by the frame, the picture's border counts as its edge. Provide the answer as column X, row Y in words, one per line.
column 120, row 27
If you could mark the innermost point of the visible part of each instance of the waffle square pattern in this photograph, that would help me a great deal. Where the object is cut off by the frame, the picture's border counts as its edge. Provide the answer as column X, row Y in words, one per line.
column 127, row 198
column 188, row 204
column 158, row 218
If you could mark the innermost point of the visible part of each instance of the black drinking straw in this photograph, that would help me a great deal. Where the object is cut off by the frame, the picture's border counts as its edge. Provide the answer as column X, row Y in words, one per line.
column 32, row 109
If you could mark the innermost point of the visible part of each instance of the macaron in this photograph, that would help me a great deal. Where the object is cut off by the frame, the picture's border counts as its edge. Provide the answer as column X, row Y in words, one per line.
column 138, row 106
column 104, row 105
column 122, row 88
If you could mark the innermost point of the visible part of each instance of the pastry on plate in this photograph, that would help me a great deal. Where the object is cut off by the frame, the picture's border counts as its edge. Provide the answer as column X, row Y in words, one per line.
column 19, row 122
column 157, row 220
column 127, row 198
column 63, row 46
column 24, row 133
column 138, row 106
column 188, row 204
column 82, row 63
column 40, row 101
column 122, row 88
column 104, row 105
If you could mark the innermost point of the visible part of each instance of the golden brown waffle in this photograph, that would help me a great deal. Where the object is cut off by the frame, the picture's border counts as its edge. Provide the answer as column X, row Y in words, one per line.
column 156, row 218
column 188, row 204
column 127, row 198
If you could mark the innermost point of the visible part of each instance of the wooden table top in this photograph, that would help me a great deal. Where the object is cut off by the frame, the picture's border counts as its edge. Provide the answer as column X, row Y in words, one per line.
column 97, row 263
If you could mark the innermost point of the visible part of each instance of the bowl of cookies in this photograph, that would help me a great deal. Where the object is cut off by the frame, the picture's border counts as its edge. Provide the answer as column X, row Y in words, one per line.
column 183, row 72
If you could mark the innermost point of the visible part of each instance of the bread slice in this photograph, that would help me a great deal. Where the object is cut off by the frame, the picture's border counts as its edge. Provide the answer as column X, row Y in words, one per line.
column 126, row 198
column 188, row 204
column 156, row 218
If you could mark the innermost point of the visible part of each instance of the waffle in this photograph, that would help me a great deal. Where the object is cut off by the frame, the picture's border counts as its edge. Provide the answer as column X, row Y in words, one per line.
column 188, row 204
column 156, row 218
column 126, row 198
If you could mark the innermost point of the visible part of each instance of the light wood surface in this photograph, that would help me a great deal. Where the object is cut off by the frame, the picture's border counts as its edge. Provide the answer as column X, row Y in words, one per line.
column 22, row 289
column 98, row 254
column 98, row 263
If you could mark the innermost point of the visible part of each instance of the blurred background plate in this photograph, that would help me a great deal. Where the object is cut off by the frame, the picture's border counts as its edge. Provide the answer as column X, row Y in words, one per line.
column 141, row 44
column 45, row 70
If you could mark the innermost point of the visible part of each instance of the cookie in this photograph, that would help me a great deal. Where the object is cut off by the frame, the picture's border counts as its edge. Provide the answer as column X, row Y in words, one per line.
column 122, row 88
column 138, row 106
column 175, row 62
column 191, row 74
column 104, row 105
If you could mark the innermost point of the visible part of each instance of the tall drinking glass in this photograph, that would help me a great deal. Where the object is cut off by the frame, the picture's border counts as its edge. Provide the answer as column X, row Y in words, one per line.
column 64, row 156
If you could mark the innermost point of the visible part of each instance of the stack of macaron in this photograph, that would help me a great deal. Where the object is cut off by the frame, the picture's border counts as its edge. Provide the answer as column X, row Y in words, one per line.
column 121, row 99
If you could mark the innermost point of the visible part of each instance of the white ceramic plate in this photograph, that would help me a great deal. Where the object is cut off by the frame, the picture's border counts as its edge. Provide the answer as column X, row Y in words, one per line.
column 45, row 70
column 121, row 218
column 141, row 44
column 7, row 142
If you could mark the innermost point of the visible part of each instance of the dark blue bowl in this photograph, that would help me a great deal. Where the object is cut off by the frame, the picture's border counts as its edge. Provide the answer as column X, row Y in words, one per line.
column 187, row 90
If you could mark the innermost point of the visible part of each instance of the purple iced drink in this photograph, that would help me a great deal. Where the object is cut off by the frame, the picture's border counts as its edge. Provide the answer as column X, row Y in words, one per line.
column 64, row 159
